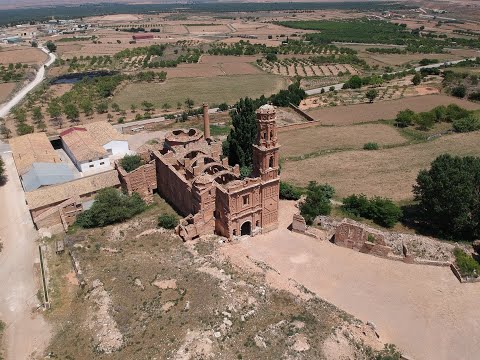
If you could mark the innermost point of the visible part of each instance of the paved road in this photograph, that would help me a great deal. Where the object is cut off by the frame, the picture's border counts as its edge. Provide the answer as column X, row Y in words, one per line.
column 29, row 87
column 26, row 331
column 418, row 68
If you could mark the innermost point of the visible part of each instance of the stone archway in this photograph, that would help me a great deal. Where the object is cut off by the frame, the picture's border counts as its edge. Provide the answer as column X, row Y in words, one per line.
column 246, row 228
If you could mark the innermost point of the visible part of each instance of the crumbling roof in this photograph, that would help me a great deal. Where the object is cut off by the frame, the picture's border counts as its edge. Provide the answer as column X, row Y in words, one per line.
column 57, row 193
column 32, row 148
column 103, row 132
column 82, row 144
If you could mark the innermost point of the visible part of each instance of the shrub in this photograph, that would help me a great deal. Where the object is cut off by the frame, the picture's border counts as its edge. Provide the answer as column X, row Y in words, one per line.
column 475, row 96
column 405, row 118
column 131, row 162
column 459, row 91
column 317, row 201
column 455, row 112
column 167, row 221
column 289, row 191
column 425, row 120
column 371, row 146
column 111, row 206
column 381, row 211
column 467, row 265
column 468, row 124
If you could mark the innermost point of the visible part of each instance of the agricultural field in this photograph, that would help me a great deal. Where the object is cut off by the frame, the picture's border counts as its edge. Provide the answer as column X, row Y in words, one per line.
column 387, row 172
column 30, row 56
column 361, row 113
column 213, row 90
column 311, row 140
column 306, row 68
column 5, row 90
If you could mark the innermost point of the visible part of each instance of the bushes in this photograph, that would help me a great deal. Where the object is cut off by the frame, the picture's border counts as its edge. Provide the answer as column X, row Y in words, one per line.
column 467, row 265
column 167, row 221
column 371, row 146
column 131, row 162
column 381, row 211
column 289, row 192
column 459, row 91
column 470, row 123
column 426, row 120
column 405, row 118
column 111, row 206
column 317, row 201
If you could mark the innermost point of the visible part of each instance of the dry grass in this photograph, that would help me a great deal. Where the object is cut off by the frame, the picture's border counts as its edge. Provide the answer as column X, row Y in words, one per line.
column 5, row 90
column 213, row 90
column 25, row 56
column 388, row 172
column 314, row 139
column 355, row 114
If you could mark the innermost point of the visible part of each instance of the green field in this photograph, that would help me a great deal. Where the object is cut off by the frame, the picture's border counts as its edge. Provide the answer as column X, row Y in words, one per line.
column 212, row 90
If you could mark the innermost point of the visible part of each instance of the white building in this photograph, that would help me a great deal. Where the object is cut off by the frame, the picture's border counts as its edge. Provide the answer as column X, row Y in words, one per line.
column 90, row 146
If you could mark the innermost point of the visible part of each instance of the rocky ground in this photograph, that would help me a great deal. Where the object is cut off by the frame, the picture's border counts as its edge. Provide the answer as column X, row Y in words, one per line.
column 148, row 295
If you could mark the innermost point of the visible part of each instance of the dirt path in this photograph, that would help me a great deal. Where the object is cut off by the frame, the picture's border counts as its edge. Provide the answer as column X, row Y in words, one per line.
column 27, row 332
column 422, row 309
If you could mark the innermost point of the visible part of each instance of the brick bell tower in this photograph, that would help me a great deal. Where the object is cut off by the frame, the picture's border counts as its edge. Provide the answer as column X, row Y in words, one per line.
column 266, row 160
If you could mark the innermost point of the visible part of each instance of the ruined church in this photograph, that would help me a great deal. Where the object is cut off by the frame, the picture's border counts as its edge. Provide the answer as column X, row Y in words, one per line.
column 192, row 175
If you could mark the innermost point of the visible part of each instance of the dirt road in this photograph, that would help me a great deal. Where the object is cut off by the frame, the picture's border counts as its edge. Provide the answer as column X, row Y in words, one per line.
column 27, row 332
column 5, row 109
column 422, row 309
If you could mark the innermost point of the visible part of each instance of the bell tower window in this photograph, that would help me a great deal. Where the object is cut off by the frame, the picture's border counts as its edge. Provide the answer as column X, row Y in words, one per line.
column 271, row 162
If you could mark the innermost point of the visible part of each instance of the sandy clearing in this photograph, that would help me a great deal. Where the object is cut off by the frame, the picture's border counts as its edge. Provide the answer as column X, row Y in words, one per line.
column 422, row 309
column 304, row 141
column 387, row 172
column 354, row 114
column 25, row 56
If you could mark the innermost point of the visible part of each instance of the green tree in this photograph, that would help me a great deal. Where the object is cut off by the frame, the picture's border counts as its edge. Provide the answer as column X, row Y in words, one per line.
column 166, row 106
column 371, row 95
column 54, row 109
column 87, row 107
column 37, row 114
column 51, row 46
column 417, row 79
column 71, row 111
column 405, row 118
column 223, row 107
column 116, row 107
column 131, row 162
column 189, row 103
column 459, row 91
column 2, row 170
column 289, row 191
column 467, row 124
column 238, row 146
column 133, row 108
column 382, row 211
column 111, row 206
column 147, row 106
column 102, row 107
column 317, row 201
column 425, row 120
column 448, row 196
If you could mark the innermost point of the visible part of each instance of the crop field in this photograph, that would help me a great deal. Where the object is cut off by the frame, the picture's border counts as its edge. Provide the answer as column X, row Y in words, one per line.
column 305, row 68
column 26, row 56
column 310, row 140
column 213, row 90
column 355, row 114
column 387, row 172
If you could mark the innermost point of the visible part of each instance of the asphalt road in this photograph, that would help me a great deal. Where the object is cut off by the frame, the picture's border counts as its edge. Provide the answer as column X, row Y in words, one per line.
column 418, row 68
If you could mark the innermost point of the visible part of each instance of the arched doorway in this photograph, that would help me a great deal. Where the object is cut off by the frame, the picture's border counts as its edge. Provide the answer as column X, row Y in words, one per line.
column 246, row 228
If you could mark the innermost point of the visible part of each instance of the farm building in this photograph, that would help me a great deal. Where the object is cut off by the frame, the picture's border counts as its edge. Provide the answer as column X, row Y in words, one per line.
column 142, row 37
column 90, row 146
column 60, row 204
column 37, row 163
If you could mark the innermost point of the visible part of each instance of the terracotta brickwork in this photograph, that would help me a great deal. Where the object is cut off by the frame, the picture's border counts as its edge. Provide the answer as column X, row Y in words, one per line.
column 194, row 178
column 142, row 180
column 358, row 238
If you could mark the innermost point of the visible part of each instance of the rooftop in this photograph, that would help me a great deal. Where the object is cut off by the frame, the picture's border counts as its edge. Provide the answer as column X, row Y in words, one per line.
column 103, row 132
column 32, row 148
column 57, row 193
column 83, row 145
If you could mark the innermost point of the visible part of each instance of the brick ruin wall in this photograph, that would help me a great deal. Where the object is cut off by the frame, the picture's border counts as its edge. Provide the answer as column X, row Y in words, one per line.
column 360, row 239
column 142, row 180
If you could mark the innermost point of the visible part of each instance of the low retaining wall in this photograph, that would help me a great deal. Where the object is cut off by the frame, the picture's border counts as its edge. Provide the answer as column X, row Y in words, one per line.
column 459, row 276
column 301, row 112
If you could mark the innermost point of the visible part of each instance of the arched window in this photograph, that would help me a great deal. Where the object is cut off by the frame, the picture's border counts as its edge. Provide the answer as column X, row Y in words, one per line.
column 271, row 135
column 270, row 162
